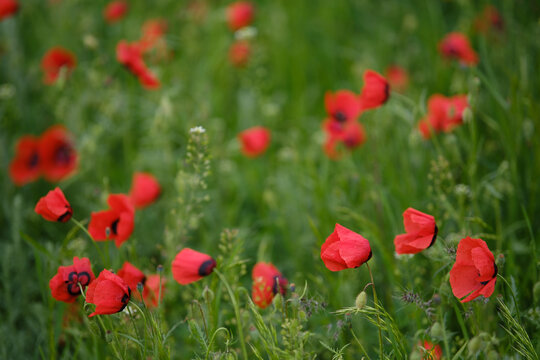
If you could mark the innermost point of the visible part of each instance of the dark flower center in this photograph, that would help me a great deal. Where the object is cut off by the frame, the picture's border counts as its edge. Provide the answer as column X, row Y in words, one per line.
column 495, row 272
column 125, row 299
column 386, row 92
column 74, row 279
column 65, row 216
column 62, row 155
column 33, row 162
column 114, row 226
column 207, row 267
column 340, row 116
column 434, row 236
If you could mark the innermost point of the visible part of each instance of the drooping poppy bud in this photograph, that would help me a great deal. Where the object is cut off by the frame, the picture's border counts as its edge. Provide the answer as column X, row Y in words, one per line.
column 254, row 141
column 132, row 276
column 239, row 53
column 8, row 8
column 375, row 91
column 474, row 273
column 456, row 46
column 65, row 284
column 54, row 60
column 398, row 79
column 114, row 224
column 151, row 291
column 421, row 232
column 109, row 293
column 115, row 11
column 189, row 266
column 267, row 282
column 25, row 166
column 240, row 14
column 57, row 154
column 54, row 206
column 345, row 249
column 145, row 190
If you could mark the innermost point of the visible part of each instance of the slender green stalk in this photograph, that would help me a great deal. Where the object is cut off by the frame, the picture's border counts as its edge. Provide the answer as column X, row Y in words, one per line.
column 381, row 356
column 85, row 230
column 513, row 296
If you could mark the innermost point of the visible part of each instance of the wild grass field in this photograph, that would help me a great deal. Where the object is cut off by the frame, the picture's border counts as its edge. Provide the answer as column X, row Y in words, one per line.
column 171, row 98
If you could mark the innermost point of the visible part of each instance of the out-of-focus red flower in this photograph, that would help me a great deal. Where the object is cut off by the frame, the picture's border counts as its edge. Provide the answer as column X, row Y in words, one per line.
column 25, row 166
column 130, row 56
column 109, row 293
column 54, row 60
column 65, row 284
column 145, row 190
column 151, row 290
column 267, row 282
column 456, row 46
column 430, row 351
column 421, row 232
column 57, row 153
column 8, row 8
column 189, row 266
column 345, row 249
column 239, row 53
column 132, row 276
column 153, row 32
column 444, row 114
column 490, row 18
column 375, row 91
column 54, row 206
column 342, row 108
column 115, row 11
column 114, row 224
column 474, row 273
column 398, row 78
column 351, row 136
column 240, row 14
column 254, row 141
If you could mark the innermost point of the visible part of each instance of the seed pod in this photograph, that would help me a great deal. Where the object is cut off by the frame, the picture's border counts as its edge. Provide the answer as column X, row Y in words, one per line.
column 361, row 300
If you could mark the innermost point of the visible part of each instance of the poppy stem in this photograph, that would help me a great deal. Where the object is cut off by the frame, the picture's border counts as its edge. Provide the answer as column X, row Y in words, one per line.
column 85, row 230
column 236, row 311
column 375, row 300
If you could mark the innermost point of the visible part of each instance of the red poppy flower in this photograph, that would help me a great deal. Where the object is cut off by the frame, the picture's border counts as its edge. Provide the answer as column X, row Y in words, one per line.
column 342, row 107
column 350, row 136
column 132, row 276
column 456, row 46
column 54, row 206
column 239, row 53
column 114, row 224
column 375, row 91
column 345, row 249
column 25, row 166
column 153, row 32
column 444, row 114
column 115, row 11
column 421, row 232
column 490, row 18
column 130, row 56
column 474, row 272
column 54, row 60
column 109, row 293
column 397, row 78
column 267, row 282
column 151, row 290
column 145, row 190
column 254, row 141
column 65, row 284
column 189, row 266
column 57, row 154
column 240, row 14
column 8, row 8
column 430, row 351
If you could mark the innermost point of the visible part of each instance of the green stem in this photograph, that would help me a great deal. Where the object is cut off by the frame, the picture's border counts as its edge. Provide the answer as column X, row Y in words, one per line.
column 513, row 296
column 85, row 230
column 381, row 356
column 236, row 312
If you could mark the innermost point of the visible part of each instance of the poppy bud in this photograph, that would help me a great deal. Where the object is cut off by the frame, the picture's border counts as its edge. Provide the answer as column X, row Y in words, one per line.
column 302, row 315
column 54, row 206
column 345, row 249
column 109, row 293
column 277, row 301
column 492, row 355
column 189, row 266
column 475, row 345
column 437, row 331
column 208, row 294
column 361, row 300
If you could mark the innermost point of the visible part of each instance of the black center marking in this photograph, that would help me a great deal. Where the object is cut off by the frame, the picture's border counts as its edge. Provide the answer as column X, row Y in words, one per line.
column 434, row 236
column 114, row 226
column 207, row 267
column 340, row 116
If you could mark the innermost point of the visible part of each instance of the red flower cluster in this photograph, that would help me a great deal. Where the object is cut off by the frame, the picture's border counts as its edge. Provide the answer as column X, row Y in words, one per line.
column 54, row 61
column 240, row 14
column 133, row 276
column 444, row 114
column 343, row 109
column 254, row 141
column 8, row 8
column 456, row 46
column 421, row 232
column 51, row 155
column 65, row 285
column 109, row 293
column 267, row 282
column 130, row 55
column 189, row 266
column 54, row 206
column 345, row 249
column 115, row 11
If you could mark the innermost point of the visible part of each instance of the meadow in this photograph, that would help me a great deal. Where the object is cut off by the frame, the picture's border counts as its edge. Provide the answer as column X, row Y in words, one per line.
column 171, row 98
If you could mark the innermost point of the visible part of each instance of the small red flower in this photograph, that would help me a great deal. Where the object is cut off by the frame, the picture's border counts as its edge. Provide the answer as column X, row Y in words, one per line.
column 397, row 78
column 421, row 232
column 239, row 53
column 151, row 290
column 57, row 154
column 130, row 55
column 240, row 14
column 54, row 206
column 375, row 91
column 254, row 141
column 456, row 46
column 114, row 224
column 8, row 8
column 444, row 114
column 351, row 136
column 115, row 11
column 132, row 276
column 345, row 249
column 25, row 166
column 54, row 60
column 109, row 293
column 267, row 282
column 145, row 190
column 490, row 18
column 189, row 266
column 65, row 284
column 342, row 107
column 430, row 351
column 474, row 272
column 153, row 32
